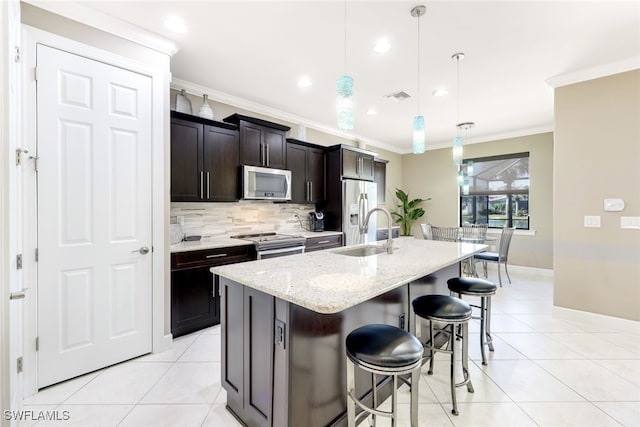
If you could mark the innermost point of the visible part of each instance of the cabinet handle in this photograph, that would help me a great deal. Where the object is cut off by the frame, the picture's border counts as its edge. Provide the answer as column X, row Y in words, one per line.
column 215, row 256
column 266, row 150
column 208, row 186
column 321, row 242
column 201, row 185
column 310, row 190
column 358, row 166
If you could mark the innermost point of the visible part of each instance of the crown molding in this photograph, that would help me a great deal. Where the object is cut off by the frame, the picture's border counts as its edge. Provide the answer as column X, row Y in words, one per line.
column 76, row 11
column 225, row 98
column 632, row 63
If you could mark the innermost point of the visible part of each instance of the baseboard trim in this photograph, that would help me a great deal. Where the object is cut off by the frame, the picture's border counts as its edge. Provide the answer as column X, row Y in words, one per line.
column 601, row 320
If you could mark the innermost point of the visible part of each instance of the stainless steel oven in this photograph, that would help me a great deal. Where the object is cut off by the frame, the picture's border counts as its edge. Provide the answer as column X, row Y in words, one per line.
column 272, row 245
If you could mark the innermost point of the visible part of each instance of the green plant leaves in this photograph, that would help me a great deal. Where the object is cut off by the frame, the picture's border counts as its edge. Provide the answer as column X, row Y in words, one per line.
column 408, row 211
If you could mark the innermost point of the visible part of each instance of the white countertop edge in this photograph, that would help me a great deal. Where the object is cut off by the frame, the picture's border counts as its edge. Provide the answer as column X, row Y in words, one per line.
column 334, row 298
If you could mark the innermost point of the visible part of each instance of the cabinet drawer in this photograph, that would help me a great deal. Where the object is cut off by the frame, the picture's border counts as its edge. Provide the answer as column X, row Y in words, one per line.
column 323, row 242
column 212, row 257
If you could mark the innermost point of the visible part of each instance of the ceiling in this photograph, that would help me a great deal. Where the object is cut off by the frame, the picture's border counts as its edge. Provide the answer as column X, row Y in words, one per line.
column 256, row 51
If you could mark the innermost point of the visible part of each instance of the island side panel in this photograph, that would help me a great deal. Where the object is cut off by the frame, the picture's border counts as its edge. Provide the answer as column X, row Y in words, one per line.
column 317, row 372
column 247, row 352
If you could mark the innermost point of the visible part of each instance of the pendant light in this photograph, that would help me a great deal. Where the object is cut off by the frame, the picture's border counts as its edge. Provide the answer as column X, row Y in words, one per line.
column 418, row 121
column 463, row 130
column 458, row 140
column 344, row 92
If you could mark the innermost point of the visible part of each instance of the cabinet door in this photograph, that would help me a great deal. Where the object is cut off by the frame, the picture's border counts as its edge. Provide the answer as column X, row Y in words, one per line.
column 350, row 164
column 366, row 167
column 251, row 151
column 275, row 148
column 259, row 319
column 193, row 301
column 296, row 163
column 221, row 160
column 316, row 173
column 380, row 178
column 186, row 161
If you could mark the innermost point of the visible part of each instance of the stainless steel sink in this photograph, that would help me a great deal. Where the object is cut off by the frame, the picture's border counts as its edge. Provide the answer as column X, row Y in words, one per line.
column 362, row 251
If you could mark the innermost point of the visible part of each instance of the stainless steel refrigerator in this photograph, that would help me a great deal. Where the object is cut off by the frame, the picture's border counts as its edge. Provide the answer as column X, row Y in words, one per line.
column 358, row 197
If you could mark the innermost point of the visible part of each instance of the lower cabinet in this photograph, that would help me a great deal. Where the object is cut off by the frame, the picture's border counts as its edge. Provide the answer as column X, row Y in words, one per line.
column 323, row 242
column 247, row 349
column 195, row 294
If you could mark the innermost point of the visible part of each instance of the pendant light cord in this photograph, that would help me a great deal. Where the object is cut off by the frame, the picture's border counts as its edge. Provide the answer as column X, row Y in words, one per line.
column 419, row 91
column 345, row 37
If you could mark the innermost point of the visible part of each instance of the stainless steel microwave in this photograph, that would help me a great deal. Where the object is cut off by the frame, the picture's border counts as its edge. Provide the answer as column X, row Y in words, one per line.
column 265, row 183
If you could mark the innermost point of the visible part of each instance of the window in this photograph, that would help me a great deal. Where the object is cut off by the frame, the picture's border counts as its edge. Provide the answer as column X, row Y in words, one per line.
column 498, row 192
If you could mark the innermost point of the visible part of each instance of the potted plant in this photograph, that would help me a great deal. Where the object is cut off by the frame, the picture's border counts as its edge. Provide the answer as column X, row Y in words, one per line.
column 408, row 211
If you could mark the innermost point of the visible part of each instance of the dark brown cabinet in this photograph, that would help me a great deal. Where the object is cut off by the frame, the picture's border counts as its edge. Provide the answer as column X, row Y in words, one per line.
column 262, row 143
column 323, row 242
column 307, row 166
column 247, row 349
column 346, row 162
column 380, row 178
column 204, row 160
column 195, row 295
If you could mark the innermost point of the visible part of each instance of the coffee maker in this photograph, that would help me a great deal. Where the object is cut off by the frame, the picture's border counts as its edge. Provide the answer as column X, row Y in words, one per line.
column 316, row 221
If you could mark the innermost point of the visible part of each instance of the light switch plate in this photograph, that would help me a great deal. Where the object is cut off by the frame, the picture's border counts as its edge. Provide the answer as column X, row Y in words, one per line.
column 613, row 205
column 592, row 221
column 632, row 222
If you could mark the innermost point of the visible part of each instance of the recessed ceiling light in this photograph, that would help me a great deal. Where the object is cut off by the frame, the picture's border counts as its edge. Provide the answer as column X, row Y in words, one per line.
column 381, row 46
column 175, row 24
column 441, row 91
column 304, row 82
column 371, row 112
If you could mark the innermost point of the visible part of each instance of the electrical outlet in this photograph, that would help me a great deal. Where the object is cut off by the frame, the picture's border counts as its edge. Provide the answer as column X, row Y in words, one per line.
column 592, row 221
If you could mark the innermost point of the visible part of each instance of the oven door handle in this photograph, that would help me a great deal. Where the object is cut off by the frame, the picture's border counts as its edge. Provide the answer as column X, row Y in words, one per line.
column 299, row 249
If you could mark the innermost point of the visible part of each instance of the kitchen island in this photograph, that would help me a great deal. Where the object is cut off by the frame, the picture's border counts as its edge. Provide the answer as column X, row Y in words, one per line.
column 284, row 322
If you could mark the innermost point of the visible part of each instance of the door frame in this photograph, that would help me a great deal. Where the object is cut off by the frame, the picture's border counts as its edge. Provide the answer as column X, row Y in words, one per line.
column 160, row 77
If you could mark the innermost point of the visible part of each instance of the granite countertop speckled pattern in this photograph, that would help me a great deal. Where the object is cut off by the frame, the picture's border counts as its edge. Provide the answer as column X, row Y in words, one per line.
column 328, row 282
column 226, row 241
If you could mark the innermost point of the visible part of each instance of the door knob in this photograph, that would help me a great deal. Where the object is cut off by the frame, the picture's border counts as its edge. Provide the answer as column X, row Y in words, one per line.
column 143, row 250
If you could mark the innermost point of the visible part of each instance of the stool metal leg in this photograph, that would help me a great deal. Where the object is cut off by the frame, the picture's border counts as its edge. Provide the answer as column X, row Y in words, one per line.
column 452, row 379
column 432, row 353
column 483, row 337
column 351, row 405
column 465, row 357
column 374, row 389
column 415, row 380
column 394, row 401
column 488, row 322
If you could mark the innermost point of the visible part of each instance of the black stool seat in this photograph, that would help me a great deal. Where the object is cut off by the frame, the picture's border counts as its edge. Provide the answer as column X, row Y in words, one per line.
column 441, row 307
column 384, row 346
column 471, row 286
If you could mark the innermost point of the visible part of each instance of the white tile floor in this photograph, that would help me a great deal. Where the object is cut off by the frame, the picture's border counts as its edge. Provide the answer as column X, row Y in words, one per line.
column 545, row 371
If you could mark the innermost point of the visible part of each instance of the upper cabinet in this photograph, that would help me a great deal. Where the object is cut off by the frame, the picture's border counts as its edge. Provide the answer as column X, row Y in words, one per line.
column 380, row 178
column 262, row 143
column 307, row 165
column 353, row 163
column 204, row 160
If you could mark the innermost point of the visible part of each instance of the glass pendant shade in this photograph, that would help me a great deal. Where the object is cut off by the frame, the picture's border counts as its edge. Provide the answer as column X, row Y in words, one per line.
column 344, row 103
column 470, row 168
column 418, row 135
column 458, row 142
column 460, row 178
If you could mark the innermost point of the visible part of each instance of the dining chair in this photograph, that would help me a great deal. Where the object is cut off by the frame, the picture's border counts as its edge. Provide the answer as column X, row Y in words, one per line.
column 448, row 234
column 500, row 257
column 427, row 233
column 474, row 231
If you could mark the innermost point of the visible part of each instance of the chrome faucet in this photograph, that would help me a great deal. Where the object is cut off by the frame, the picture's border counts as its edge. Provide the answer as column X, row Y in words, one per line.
column 389, row 245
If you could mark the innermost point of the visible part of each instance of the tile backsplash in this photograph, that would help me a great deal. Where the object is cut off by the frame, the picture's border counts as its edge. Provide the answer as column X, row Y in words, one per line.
column 245, row 216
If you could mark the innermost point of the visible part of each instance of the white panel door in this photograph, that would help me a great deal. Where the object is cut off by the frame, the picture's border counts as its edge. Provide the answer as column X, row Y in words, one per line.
column 94, row 214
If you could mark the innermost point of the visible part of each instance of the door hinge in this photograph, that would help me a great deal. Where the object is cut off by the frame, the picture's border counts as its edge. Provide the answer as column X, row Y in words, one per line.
column 19, row 153
column 37, row 343
column 35, row 73
column 19, row 364
column 18, row 57
column 37, row 254
column 19, row 262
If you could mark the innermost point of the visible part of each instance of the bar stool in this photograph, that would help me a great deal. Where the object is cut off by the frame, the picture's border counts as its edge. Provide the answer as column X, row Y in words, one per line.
column 382, row 350
column 483, row 289
column 453, row 312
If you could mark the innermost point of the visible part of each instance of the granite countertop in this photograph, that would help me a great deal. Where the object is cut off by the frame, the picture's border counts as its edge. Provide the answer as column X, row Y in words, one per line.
column 328, row 282
column 226, row 241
